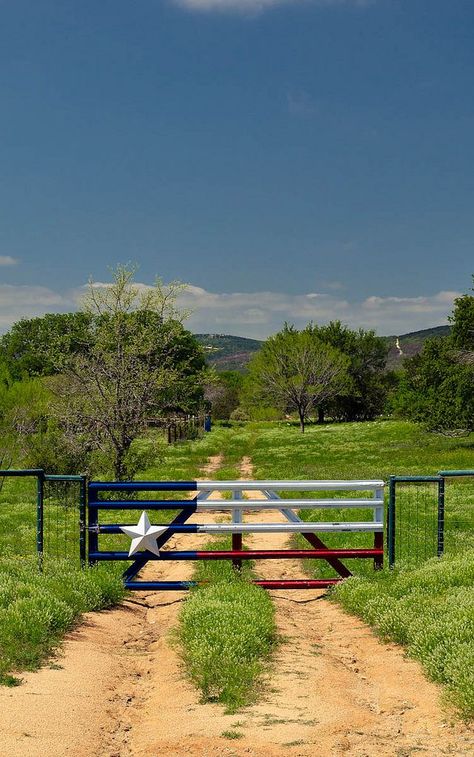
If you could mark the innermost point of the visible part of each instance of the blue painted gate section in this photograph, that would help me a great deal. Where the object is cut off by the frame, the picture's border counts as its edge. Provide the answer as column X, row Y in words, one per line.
column 99, row 500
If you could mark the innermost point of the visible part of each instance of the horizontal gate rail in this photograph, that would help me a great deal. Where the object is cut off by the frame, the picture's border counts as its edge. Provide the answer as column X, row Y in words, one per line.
column 279, row 486
column 371, row 498
column 303, row 583
column 241, row 504
column 456, row 473
column 248, row 554
column 249, row 528
column 143, row 486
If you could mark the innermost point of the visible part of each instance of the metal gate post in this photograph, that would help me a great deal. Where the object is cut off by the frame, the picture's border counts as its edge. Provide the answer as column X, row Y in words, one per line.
column 237, row 538
column 378, row 535
column 441, row 488
column 391, row 522
column 39, row 517
column 93, row 535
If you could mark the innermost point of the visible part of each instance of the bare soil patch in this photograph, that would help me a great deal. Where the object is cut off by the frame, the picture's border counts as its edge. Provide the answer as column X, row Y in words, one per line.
column 214, row 462
column 118, row 688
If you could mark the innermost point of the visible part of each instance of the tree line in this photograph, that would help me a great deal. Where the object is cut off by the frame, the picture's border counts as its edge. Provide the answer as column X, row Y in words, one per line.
column 436, row 387
column 334, row 372
column 318, row 372
column 78, row 390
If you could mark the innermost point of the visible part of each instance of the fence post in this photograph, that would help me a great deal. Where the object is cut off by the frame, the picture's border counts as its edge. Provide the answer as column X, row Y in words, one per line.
column 82, row 521
column 39, row 517
column 441, row 488
column 391, row 522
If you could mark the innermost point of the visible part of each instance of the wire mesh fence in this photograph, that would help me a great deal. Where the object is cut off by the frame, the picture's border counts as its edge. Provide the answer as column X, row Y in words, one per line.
column 180, row 428
column 414, row 519
column 18, row 512
column 62, row 527
column 459, row 511
column 429, row 516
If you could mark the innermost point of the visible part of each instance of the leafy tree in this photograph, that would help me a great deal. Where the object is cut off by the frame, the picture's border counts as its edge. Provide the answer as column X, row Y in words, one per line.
column 366, row 390
column 462, row 333
column 41, row 346
column 436, row 390
column 222, row 394
column 140, row 362
column 27, row 429
column 297, row 372
column 437, row 386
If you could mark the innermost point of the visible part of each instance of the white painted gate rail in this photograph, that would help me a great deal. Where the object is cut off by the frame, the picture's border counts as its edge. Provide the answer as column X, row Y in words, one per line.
column 348, row 495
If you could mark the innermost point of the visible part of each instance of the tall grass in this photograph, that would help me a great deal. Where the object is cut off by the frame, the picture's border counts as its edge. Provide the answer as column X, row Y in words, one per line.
column 226, row 632
column 430, row 610
column 36, row 609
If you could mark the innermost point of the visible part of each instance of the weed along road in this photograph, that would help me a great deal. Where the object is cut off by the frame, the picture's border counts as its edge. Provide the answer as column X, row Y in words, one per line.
column 119, row 689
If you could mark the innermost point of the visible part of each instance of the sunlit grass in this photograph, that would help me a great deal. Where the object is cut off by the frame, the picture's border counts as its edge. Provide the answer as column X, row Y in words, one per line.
column 226, row 631
column 227, row 628
column 430, row 610
column 37, row 608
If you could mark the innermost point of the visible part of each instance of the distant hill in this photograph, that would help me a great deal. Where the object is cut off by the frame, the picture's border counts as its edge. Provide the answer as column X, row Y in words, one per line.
column 232, row 353
column 226, row 352
column 411, row 344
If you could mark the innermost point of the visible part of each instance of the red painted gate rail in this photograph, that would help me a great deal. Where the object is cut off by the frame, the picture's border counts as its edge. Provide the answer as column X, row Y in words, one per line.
column 284, row 497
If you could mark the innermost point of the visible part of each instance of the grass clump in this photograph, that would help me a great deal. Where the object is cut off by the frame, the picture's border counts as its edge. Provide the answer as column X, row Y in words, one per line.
column 430, row 610
column 36, row 609
column 226, row 631
column 231, row 735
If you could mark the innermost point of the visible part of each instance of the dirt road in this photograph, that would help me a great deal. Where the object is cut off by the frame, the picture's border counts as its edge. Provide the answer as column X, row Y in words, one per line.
column 118, row 688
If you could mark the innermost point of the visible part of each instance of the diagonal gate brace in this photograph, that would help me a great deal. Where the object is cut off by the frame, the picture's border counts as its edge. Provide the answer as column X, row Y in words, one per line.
column 314, row 540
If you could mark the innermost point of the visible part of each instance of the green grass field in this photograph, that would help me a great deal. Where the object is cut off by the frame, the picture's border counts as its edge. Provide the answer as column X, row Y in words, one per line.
column 36, row 609
column 427, row 605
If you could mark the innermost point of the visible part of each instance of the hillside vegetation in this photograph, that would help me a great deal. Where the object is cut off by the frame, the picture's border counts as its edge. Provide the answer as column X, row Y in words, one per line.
column 227, row 352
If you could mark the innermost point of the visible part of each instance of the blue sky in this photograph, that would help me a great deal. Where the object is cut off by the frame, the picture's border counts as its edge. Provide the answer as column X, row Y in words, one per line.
column 291, row 160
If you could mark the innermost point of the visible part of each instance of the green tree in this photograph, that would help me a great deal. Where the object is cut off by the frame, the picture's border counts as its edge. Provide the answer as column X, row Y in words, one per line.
column 366, row 390
column 41, row 346
column 223, row 394
column 437, row 386
column 139, row 363
column 295, row 371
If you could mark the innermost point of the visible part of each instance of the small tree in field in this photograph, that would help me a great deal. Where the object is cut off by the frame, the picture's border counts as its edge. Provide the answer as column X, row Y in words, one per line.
column 296, row 371
column 139, row 361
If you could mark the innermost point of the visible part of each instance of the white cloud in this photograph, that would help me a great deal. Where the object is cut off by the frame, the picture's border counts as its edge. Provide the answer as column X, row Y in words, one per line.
column 255, row 314
column 7, row 260
column 259, row 314
column 29, row 301
column 257, row 6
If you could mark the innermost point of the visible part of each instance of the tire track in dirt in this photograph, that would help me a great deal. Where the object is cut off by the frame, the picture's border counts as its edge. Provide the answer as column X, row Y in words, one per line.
column 332, row 688
column 96, row 690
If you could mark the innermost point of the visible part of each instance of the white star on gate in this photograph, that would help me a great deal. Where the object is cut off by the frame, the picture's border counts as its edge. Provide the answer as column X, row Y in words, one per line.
column 144, row 535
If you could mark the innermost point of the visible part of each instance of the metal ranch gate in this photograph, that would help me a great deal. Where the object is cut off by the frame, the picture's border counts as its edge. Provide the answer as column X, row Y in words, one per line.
column 107, row 497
